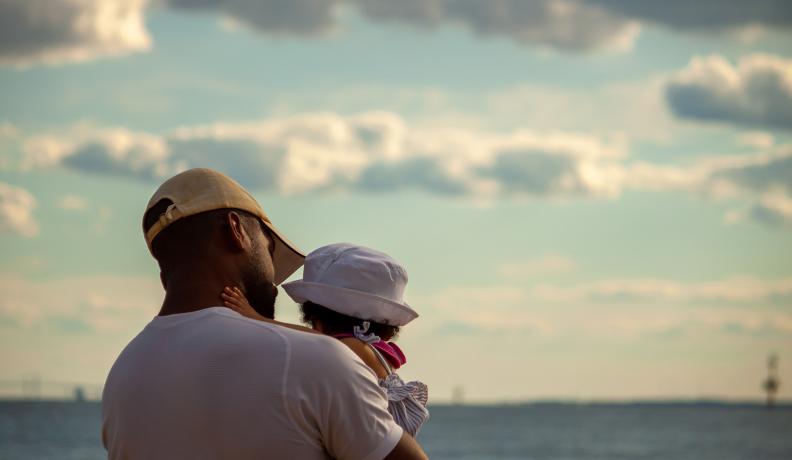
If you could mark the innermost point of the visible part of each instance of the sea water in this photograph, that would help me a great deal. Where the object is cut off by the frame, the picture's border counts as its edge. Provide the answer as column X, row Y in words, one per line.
column 545, row 431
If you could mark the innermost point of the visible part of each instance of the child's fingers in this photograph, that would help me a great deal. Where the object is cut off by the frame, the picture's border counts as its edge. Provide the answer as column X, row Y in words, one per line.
column 230, row 300
column 233, row 306
column 232, row 293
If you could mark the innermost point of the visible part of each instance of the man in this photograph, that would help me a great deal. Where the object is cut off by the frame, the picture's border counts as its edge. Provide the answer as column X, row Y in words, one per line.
column 201, row 381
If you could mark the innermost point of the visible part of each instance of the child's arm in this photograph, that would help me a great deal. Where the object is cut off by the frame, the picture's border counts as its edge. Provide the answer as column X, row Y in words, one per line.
column 235, row 300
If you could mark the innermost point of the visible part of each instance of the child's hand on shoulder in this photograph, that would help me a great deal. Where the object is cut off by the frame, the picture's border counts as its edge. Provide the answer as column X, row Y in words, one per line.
column 235, row 300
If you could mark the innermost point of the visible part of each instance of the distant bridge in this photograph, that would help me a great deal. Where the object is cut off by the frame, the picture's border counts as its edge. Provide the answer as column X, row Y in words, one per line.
column 32, row 388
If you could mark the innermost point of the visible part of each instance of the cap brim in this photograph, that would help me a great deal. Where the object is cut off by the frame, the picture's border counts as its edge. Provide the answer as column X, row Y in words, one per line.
column 350, row 302
column 286, row 258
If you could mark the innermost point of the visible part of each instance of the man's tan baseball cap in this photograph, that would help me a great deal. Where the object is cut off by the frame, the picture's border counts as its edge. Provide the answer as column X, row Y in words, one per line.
column 200, row 190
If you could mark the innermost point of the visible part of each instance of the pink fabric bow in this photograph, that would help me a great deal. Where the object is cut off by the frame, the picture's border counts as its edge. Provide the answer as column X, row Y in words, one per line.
column 389, row 350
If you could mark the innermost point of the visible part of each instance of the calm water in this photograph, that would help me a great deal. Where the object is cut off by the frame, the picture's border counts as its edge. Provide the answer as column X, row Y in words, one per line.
column 65, row 430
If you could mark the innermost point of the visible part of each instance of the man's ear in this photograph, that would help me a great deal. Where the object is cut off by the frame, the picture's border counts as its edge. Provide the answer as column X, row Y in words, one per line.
column 238, row 235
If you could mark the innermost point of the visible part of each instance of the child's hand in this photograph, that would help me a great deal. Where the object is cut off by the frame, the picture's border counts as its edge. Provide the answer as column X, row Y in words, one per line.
column 235, row 300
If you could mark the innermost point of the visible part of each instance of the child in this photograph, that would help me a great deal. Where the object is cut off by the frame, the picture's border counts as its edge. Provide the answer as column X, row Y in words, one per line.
column 354, row 294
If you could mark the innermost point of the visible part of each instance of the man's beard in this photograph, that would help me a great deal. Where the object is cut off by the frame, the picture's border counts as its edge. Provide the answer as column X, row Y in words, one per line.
column 260, row 291
column 261, row 296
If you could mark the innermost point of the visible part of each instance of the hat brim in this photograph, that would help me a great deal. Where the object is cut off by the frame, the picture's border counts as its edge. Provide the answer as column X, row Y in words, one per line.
column 350, row 302
column 286, row 258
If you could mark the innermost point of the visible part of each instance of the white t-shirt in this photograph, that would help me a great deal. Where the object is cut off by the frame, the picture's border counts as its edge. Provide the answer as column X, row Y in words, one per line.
column 214, row 384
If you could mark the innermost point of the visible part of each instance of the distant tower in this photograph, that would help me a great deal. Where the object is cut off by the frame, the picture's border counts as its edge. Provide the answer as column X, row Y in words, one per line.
column 458, row 395
column 772, row 383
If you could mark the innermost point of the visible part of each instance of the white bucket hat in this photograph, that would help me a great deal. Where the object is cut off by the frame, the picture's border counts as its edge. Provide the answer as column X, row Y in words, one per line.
column 355, row 281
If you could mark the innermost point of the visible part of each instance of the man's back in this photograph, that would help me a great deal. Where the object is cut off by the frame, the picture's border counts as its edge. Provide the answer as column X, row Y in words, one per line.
column 212, row 384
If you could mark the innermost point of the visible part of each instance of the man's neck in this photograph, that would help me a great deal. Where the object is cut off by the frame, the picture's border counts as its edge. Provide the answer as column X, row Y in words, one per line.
column 195, row 290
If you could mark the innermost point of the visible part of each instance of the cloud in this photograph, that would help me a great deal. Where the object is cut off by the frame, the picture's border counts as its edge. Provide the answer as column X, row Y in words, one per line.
column 16, row 211
column 559, row 24
column 548, row 264
column 717, row 176
column 115, row 151
column 706, row 15
column 73, row 203
column 371, row 152
column 566, row 25
column 377, row 152
column 758, row 172
column 8, row 130
column 757, row 139
column 294, row 17
column 774, row 208
column 104, row 303
column 733, row 290
column 764, row 178
column 47, row 32
column 756, row 92
column 609, row 309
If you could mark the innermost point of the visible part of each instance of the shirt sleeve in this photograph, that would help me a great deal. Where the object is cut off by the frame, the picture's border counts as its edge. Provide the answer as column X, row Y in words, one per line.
column 337, row 399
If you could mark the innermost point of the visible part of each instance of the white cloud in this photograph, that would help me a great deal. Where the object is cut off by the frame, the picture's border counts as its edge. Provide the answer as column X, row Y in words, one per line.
column 637, row 109
column 764, row 178
column 757, row 139
column 609, row 309
column 16, row 211
column 8, row 130
column 369, row 152
column 737, row 289
column 756, row 92
column 379, row 152
column 568, row 25
column 479, row 309
column 108, row 151
column 104, row 303
column 773, row 208
column 73, row 203
column 54, row 32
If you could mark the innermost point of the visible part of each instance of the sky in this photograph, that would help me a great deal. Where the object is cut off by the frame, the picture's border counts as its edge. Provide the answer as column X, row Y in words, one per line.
column 593, row 199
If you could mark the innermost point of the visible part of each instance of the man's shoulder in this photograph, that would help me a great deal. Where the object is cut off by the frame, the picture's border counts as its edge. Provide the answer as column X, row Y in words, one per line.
column 304, row 345
column 308, row 345
column 311, row 352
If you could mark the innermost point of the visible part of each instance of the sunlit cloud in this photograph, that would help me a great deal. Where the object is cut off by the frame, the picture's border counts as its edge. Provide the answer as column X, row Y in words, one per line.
column 73, row 203
column 16, row 211
column 43, row 32
column 370, row 152
column 757, row 139
column 566, row 25
column 378, row 152
column 103, row 303
column 8, row 130
column 46, row 32
column 732, row 290
column 755, row 92
column 612, row 309
column 773, row 208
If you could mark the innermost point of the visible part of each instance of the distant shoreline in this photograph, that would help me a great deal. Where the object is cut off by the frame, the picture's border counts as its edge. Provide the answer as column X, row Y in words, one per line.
column 691, row 403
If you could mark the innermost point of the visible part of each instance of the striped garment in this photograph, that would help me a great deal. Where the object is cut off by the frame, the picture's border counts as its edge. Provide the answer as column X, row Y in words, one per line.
column 406, row 401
